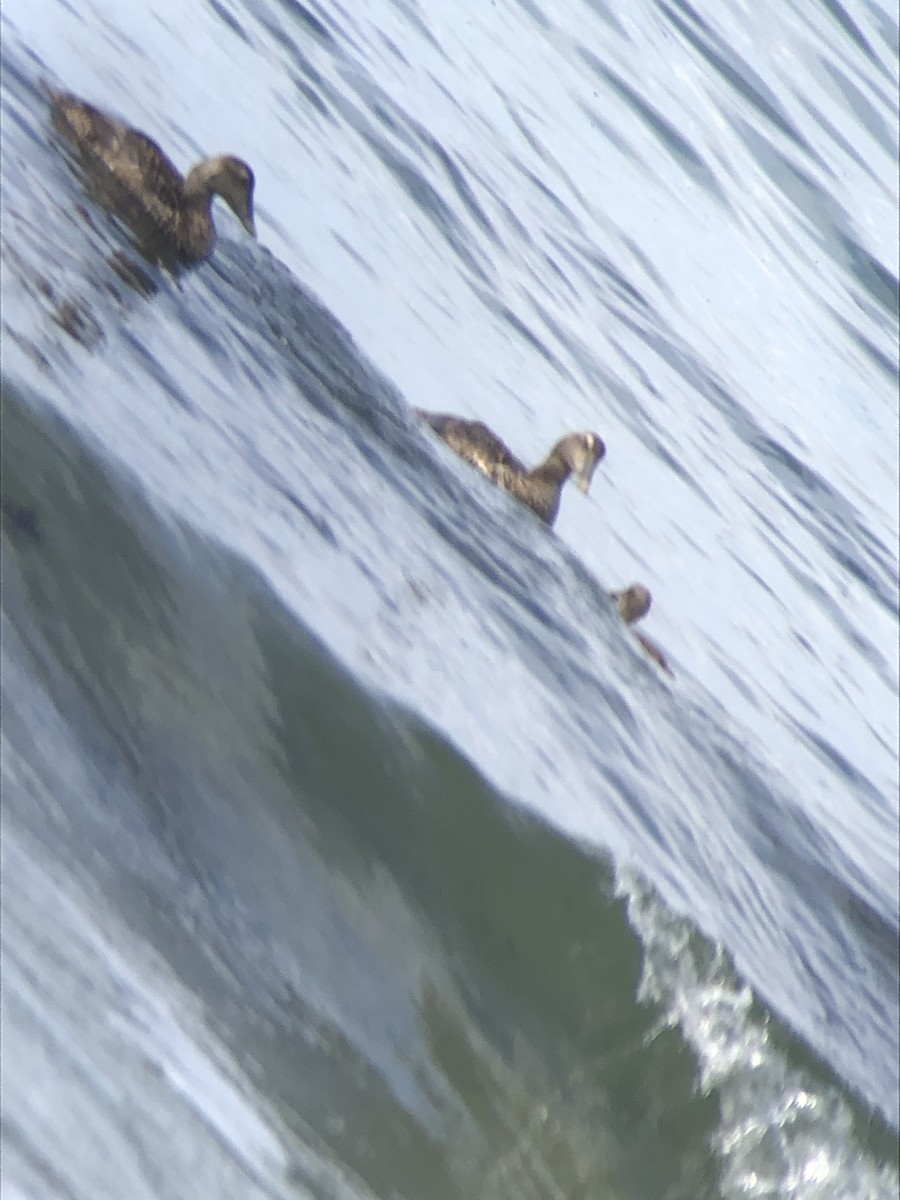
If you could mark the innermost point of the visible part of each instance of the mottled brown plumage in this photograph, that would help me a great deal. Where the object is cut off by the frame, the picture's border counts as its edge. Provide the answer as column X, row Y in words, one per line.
column 170, row 214
column 540, row 488
column 634, row 603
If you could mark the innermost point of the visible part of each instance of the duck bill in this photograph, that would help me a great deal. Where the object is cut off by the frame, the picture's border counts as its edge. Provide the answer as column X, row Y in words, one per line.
column 584, row 481
column 249, row 224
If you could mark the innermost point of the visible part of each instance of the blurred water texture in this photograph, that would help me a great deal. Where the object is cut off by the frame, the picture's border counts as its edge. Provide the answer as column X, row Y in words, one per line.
column 357, row 849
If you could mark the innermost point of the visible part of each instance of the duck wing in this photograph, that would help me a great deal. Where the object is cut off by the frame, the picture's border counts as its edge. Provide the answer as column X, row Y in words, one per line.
column 134, row 159
column 475, row 442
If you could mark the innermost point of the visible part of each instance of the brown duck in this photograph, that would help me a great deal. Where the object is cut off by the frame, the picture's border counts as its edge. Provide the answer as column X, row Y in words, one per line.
column 633, row 603
column 169, row 213
column 540, row 488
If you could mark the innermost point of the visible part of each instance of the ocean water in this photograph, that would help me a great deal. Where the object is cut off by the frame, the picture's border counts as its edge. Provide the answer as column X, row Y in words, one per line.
column 351, row 847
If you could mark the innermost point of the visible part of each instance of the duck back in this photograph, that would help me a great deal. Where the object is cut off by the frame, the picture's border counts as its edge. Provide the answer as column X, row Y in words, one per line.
column 135, row 159
column 473, row 441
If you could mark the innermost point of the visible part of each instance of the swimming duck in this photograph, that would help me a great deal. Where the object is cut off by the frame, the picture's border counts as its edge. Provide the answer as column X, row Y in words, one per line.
column 633, row 603
column 576, row 454
column 170, row 214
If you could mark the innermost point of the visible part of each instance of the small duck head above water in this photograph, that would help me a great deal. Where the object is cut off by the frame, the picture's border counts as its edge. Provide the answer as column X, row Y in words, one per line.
column 633, row 602
column 130, row 175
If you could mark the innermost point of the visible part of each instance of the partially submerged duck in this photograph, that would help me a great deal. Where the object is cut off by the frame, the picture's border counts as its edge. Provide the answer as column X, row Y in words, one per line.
column 634, row 603
column 170, row 213
column 577, row 454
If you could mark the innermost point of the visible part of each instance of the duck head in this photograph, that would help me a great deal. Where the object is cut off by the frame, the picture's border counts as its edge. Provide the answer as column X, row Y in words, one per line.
column 583, row 453
column 633, row 602
column 228, row 177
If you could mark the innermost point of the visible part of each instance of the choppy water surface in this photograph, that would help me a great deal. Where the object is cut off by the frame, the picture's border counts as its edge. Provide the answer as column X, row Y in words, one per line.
column 351, row 846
